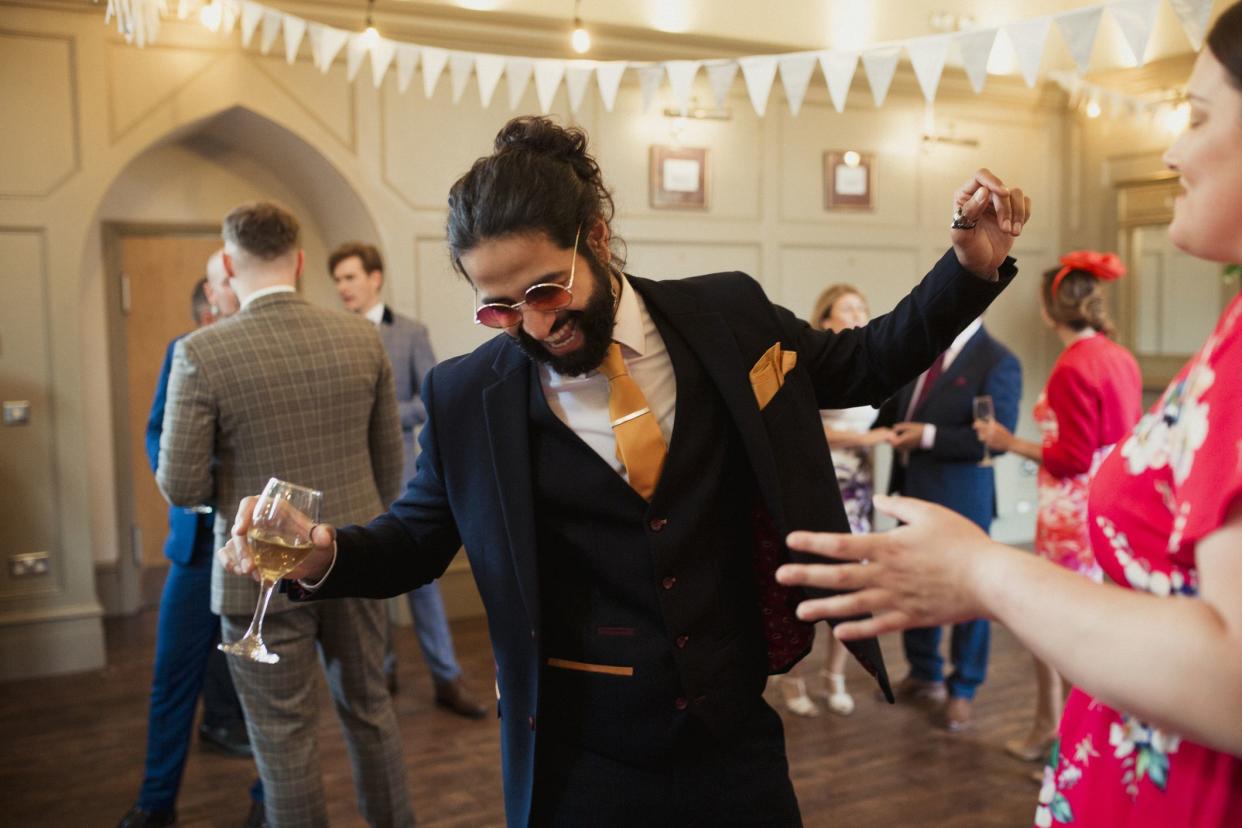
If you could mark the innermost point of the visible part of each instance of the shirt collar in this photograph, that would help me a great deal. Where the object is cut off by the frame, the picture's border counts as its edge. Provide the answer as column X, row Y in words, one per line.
column 964, row 336
column 376, row 314
column 628, row 323
column 267, row 291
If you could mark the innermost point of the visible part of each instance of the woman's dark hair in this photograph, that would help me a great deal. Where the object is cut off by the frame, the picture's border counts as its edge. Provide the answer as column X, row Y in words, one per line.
column 1078, row 303
column 1225, row 41
column 538, row 179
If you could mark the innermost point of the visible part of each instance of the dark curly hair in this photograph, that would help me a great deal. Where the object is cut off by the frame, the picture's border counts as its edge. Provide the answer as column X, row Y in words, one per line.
column 540, row 178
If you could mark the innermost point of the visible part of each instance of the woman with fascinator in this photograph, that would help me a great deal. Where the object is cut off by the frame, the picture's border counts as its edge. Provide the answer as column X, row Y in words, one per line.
column 1152, row 734
column 1091, row 401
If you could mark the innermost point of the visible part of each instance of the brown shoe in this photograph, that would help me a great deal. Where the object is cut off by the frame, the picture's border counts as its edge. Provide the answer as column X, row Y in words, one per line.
column 957, row 714
column 921, row 692
column 453, row 696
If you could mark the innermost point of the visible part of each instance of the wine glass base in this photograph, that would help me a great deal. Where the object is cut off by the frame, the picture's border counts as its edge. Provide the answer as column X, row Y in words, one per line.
column 249, row 648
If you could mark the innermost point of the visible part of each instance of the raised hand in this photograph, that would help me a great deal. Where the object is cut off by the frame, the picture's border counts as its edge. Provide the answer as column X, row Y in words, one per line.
column 992, row 216
column 236, row 556
column 993, row 435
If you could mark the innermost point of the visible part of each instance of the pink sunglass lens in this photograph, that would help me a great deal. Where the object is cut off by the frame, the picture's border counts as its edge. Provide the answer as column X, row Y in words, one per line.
column 494, row 317
column 548, row 297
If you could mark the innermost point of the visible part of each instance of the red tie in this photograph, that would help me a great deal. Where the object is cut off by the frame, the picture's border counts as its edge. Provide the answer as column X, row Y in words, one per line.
column 929, row 379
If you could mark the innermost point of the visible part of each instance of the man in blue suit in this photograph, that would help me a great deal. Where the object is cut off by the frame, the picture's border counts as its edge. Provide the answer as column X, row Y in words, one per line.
column 186, row 659
column 936, row 457
column 622, row 464
column 357, row 270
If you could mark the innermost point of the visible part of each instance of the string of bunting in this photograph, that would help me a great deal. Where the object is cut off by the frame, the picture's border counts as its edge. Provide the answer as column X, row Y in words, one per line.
column 138, row 21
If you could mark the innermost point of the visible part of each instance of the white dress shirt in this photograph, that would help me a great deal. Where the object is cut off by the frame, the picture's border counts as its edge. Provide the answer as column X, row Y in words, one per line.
column 376, row 314
column 582, row 402
column 267, row 291
column 950, row 354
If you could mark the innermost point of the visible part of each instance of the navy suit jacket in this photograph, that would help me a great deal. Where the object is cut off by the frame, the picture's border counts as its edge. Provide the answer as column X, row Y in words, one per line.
column 949, row 473
column 473, row 484
column 189, row 532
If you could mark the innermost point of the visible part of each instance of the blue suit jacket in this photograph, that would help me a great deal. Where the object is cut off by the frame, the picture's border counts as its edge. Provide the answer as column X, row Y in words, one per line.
column 949, row 473
column 190, row 538
column 473, row 485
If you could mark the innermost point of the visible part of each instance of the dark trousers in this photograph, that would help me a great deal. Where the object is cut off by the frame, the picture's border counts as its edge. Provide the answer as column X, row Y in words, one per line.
column 187, row 663
column 968, row 650
column 741, row 782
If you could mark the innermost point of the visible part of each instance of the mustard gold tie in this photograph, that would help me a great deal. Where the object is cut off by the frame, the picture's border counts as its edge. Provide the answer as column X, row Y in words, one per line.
column 640, row 445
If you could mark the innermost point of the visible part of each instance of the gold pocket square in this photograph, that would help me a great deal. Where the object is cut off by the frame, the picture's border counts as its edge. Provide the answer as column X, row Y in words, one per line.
column 768, row 375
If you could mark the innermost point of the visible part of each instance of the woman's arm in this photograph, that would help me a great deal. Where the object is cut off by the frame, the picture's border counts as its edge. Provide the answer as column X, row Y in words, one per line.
column 1173, row 662
column 856, row 439
column 998, row 438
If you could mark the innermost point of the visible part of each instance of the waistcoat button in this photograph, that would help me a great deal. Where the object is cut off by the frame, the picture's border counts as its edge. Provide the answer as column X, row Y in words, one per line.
column 669, row 582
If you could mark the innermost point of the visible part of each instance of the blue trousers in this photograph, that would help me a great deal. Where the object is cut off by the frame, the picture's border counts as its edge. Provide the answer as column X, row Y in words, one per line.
column 187, row 663
column 432, row 628
column 968, row 650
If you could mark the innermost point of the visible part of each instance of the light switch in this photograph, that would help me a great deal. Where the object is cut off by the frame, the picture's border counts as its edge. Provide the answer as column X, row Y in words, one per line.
column 16, row 412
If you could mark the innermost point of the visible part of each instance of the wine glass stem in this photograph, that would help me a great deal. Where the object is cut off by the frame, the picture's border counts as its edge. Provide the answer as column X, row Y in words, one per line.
column 256, row 623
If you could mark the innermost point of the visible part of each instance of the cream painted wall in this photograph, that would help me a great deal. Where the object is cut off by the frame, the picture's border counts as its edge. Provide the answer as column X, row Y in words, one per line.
column 185, row 129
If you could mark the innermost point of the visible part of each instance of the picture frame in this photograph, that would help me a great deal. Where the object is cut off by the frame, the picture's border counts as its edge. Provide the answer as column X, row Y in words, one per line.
column 679, row 177
column 849, row 180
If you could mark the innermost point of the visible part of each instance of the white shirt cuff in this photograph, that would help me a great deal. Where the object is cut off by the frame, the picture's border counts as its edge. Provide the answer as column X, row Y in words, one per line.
column 929, row 437
column 308, row 586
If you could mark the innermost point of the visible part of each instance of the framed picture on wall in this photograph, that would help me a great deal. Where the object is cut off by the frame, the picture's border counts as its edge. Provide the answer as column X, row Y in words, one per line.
column 849, row 180
column 679, row 177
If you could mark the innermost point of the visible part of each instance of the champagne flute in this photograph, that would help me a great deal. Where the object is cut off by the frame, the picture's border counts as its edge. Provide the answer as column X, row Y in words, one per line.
column 279, row 539
column 984, row 410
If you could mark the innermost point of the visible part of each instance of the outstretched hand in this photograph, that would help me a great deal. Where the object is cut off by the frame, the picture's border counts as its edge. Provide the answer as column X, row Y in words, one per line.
column 922, row 574
column 237, row 557
column 999, row 214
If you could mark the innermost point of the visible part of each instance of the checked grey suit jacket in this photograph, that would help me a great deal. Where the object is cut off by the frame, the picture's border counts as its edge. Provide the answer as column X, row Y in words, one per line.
column 409, row 351
column 282, row 389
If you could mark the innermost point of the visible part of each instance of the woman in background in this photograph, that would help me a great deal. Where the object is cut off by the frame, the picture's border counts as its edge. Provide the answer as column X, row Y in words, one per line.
column 1151, row 735
column 851, row 438
column 1091, row 401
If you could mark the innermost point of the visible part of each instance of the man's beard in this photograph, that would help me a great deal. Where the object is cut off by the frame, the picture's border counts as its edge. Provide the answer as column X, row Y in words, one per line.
column 595, row 322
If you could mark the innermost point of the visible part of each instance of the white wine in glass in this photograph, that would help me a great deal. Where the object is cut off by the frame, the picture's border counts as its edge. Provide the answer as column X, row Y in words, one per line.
column 984, row 410
column 279, row 540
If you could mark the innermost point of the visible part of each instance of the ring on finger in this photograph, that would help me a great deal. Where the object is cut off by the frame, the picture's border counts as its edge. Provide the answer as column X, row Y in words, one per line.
column 960, row 222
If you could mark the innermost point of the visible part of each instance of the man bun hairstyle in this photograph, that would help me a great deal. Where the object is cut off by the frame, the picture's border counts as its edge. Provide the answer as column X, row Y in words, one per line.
column 264, row 229
column 540, row 178
column 368, row 254
column 1078, row 303
column 1225, row 41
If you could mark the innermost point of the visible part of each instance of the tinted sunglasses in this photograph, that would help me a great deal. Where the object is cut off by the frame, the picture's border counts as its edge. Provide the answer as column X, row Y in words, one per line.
column 545, row 296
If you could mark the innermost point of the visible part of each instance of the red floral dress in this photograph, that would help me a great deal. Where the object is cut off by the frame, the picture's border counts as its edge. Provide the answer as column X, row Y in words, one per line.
column 1091, row 401
column 1168, row 485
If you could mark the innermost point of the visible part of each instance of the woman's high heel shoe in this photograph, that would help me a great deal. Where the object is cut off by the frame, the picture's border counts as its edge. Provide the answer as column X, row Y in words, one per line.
column 839, row 701
column 1032, row 748
column 797, row 701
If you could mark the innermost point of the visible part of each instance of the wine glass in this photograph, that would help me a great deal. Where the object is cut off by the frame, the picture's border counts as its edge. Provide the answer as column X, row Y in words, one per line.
column 984, row 410
column 279, row 539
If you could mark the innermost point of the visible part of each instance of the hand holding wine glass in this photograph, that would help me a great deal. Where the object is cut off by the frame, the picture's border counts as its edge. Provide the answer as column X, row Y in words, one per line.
column 985, row 412
column 271, row 544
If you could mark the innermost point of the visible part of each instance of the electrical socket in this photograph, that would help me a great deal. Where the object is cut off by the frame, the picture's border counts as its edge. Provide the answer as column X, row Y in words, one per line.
column 29, row 564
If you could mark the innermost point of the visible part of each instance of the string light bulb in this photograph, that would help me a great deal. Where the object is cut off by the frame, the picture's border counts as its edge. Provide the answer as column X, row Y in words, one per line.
column 580, row 40
column 1093, row 109
column 370, row 37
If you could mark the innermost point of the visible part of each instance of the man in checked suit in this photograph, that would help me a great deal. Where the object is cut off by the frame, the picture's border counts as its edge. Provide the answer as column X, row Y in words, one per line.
column 622, row 464
column 284, row 389
column 936, row 457
column 357, row 270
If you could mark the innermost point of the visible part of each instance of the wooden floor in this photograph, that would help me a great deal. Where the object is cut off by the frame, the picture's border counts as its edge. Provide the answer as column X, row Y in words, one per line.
column 71, row 750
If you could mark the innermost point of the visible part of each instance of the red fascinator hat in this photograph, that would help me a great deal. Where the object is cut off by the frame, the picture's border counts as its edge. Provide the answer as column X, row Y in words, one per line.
column 1104, row 266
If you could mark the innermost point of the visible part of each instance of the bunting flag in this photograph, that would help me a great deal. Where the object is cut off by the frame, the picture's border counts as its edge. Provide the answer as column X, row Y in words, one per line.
column 1136, row 19
column 758, row 72
column 1078, row 30
column 975, row 48
column 487, row 70
column 139, row 21
column 1028, row 39
column 461, row 64
column 608, row 76
column 381, row 58
column 838, row 69
column 721, row 76
column 407, row 59
column 796, row 72
column 577, row 77
column 880, row 67
column 927, row 56
column 517, row 74
column 681, row 75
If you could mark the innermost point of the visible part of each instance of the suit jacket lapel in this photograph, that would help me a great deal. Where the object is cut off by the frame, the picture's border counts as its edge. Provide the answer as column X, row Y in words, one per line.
column 956, row 369
column 709, row 338
column 505, row 404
